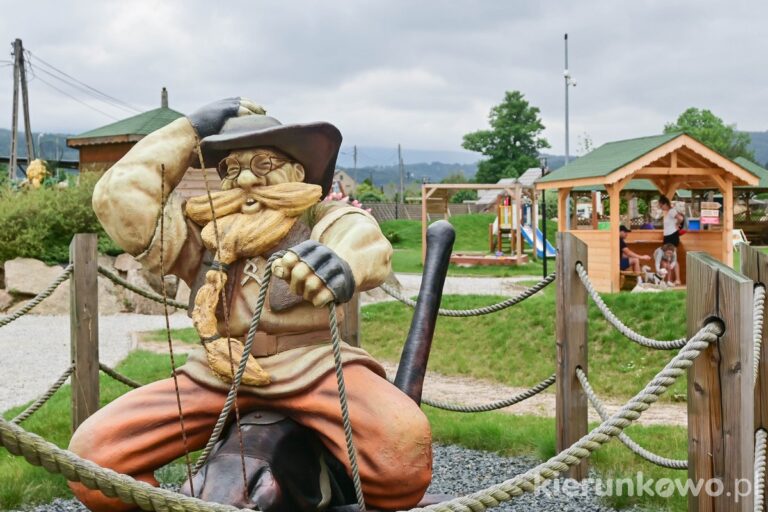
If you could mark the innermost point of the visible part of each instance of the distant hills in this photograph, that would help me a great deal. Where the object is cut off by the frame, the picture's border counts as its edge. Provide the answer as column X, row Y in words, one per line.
column 379, row 163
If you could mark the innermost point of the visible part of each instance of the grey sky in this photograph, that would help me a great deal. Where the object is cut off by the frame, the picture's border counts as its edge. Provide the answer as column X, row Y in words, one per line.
column 419, row 73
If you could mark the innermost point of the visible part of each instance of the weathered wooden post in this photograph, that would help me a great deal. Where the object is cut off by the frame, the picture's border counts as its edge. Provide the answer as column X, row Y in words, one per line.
column 720, row 388
column 571, row 401
column 84, row 326
column 754, row 265
column 350, row 325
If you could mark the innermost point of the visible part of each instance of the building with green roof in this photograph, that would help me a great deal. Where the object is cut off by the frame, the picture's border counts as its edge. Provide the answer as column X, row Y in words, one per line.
column 102, row 147
column 656, row 165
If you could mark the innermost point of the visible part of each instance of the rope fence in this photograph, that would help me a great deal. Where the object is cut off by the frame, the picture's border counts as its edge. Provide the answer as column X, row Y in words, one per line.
column 624, row 438
column 140, row 291
column 759, row 485
column 618, row 324
column 757, row 330
column 485, row 310
column 119, row 376
column 37, row 404
column 500, row 404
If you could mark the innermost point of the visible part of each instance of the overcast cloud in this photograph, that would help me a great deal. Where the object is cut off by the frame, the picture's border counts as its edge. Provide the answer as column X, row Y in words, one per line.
column 417, row 73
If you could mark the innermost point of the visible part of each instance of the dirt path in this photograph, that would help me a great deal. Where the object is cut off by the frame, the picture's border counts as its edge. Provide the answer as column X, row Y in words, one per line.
column 469, row 391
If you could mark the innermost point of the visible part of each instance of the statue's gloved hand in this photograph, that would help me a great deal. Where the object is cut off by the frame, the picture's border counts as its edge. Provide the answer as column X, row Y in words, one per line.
column 209, row 119
column 316, row 273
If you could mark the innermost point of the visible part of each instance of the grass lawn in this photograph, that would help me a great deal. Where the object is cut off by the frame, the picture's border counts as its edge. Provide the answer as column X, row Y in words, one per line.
column 471, row 236
column 23, row 484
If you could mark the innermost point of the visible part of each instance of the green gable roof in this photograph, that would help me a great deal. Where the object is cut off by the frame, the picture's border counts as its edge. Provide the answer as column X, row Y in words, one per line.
column 755, row 169
column 139, row 125
column 608, row 158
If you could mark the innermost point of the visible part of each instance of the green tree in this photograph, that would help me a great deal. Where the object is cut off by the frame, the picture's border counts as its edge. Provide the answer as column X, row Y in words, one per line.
column 513, row 142
column 367, row 192
column 461, row 195
column 706, row 127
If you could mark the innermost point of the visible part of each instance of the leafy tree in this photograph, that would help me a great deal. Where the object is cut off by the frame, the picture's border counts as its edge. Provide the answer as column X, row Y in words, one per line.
column 367, row 192
column 513, row 142
column 461, row 195
column 706, row 127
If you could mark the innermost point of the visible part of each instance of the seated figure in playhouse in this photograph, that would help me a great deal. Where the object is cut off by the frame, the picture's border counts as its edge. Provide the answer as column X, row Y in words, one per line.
column 273, row 179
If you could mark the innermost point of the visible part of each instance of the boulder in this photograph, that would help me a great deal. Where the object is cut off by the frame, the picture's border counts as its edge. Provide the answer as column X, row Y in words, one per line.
column 29, row 276
column 125, row 263
column 6, row 299
column 138, row 304
column 182, row 293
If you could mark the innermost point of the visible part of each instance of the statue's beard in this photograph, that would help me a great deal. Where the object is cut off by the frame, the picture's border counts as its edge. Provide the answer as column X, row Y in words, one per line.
column 250, row 224
column 246, row 225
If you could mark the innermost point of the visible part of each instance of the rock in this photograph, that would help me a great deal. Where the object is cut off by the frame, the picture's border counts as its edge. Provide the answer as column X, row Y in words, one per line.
column 6, row 299
column 125, row 263
column 29, row 276
column 107, row 261
column 183, row 291
column 138, row 304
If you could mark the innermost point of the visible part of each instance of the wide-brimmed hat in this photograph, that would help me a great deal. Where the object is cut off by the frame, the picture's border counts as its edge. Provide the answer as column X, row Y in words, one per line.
column 313, row 145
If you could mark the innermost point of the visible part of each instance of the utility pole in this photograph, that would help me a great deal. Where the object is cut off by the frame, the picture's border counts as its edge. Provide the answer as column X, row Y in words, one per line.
column 567, row 76
column 402, row 173
column 19, row 77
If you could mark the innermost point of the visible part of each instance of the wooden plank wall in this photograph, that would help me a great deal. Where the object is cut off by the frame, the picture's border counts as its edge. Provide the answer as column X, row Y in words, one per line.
column 599, row 254
column 193, row 183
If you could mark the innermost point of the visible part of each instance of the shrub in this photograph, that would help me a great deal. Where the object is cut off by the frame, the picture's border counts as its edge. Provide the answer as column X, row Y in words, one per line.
column 41, row 223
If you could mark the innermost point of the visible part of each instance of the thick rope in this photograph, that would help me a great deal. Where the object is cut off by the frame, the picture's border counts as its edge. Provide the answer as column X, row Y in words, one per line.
column 528, row 481
column 42, row 399
column 759, row 312
column 500, row 404
column 485, row 310
column 351, row 452
column 37, row 299
column 618, row 324
column 232, row 395
column 119, row 377
column 140, row 291
column 759, row 480
column 40, row 452
column 624, row 438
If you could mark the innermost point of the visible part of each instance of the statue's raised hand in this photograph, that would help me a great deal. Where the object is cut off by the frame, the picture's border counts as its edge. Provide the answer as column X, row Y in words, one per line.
column 209, row 119
column 316, row 273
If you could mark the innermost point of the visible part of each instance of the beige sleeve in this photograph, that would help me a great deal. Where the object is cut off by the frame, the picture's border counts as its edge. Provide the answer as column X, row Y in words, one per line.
column 355, row 236
column 127, row 198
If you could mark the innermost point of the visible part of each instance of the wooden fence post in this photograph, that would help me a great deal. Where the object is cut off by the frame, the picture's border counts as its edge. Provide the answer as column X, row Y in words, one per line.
column 720, row 387
column 350, row 326
column 84, row 326
column 754, row 265
column 571, row 401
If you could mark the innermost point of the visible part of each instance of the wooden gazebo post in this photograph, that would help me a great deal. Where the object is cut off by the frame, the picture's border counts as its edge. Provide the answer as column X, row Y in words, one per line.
column 535, row 224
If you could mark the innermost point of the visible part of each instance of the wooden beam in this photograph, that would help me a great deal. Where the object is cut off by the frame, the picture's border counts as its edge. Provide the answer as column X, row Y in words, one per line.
column 673, row 160
column 720, row 385
column 84, row 327
column 519, row 231
column 728, row 224
column 679, row 171
column 614, row 195
column 535, row 224
column 595, row 200
column 571, row 321
column 562, row 199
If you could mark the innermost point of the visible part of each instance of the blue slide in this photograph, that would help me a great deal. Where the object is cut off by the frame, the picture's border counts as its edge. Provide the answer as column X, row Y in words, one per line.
column 528, row 236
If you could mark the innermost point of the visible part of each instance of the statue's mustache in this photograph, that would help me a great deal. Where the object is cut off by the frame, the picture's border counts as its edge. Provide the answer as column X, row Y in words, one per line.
column 290, row 198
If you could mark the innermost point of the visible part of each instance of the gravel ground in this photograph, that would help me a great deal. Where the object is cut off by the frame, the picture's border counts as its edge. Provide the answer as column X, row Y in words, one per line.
column 459, row 471
column 34, row 350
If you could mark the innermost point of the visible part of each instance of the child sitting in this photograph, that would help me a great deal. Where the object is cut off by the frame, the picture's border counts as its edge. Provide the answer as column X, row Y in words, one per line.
column 666, row 259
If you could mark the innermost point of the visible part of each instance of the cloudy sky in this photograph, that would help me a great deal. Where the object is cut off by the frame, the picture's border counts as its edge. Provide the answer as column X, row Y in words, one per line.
column 393, row 71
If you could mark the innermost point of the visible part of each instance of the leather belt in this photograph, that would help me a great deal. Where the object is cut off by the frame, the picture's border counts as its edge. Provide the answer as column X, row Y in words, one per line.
column 265, row 345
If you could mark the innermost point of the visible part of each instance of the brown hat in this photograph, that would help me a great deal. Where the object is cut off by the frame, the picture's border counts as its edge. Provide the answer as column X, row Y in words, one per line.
column 314, row 145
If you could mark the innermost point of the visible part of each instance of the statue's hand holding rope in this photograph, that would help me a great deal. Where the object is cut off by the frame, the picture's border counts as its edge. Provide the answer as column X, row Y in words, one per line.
column 316, row 273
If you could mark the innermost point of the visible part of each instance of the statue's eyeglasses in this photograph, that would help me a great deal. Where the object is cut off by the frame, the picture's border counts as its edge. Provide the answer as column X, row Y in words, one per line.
column 261, row 164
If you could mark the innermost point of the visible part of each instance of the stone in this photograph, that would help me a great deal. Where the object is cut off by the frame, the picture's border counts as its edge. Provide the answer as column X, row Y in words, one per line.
column 183, row 291
column 138, row 304
column 28, row 276
column 6, row 299
column 125, row 263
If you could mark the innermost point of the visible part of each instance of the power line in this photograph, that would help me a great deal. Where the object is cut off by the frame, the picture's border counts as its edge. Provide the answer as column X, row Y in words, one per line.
column 76, row 99
column 80, row 88
column 54, row 68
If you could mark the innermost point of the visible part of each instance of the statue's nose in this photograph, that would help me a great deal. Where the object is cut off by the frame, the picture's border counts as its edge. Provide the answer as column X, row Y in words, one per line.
column 247, row 180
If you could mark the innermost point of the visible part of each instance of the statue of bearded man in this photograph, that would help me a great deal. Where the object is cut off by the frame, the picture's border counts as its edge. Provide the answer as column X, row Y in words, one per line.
column 273, row 179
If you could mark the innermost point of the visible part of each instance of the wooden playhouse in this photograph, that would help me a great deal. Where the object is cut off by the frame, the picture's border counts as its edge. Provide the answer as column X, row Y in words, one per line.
column 671, row 163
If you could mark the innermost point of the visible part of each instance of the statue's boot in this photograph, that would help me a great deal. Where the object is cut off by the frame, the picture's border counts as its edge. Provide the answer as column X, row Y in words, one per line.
column 286, row 469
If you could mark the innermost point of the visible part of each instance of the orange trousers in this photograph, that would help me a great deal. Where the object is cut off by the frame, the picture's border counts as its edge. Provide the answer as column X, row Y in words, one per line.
column 140, row 432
